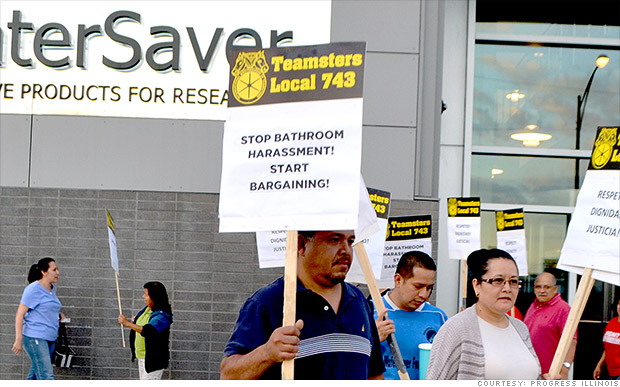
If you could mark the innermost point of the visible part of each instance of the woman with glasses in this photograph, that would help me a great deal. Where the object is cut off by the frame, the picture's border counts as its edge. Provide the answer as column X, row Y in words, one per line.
column 483, row 342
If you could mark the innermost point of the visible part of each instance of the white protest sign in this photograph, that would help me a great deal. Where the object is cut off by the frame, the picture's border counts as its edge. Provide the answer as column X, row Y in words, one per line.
column 463, row 227
column 405, row 233
column 374, row 245
column 593, row 236
column 511, row 236
column 292, row 142
column 271, row 245
column 112, row 241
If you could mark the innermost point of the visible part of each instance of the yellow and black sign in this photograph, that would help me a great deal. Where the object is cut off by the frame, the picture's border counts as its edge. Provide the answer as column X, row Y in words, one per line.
column 408, row 227
column 606, row 152
column 509, row 219
column 303, row 73
column 458, row 207
column 380, row 201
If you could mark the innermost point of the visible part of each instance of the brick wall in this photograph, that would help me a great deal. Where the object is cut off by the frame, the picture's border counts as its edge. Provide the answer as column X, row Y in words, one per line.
column 169, row 237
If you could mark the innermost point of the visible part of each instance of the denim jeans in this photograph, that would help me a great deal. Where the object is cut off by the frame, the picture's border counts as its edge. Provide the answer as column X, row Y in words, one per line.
column 40, row 353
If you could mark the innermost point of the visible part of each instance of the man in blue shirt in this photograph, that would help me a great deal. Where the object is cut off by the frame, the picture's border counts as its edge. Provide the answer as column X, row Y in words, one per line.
column 335, row 336
column 409, row 316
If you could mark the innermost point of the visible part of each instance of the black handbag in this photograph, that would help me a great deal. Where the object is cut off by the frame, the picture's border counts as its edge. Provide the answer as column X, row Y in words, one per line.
column 63, row 354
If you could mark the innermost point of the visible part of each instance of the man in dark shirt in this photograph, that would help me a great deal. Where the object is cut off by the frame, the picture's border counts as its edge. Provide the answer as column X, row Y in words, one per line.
column 335, row 336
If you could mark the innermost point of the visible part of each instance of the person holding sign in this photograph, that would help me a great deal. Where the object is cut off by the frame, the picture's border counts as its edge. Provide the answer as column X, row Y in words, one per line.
column 611, row 353
column 545, row 319
column 413, row 320
column 151, row 345
column 483, row 342
column 335, row 336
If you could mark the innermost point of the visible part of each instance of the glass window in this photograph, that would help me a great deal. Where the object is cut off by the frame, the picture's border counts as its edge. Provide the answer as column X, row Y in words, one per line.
column 525, row 179
column 544, row 29
column 524, row 89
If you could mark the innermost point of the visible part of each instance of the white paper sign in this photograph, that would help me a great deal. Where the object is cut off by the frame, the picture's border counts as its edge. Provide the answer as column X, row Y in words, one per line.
column 511, row 236
column 513, row 242
column 112, row 242
column 293, row 165
column 463, row 227
column 271, row 245
column 593, row 236
column 405, row 233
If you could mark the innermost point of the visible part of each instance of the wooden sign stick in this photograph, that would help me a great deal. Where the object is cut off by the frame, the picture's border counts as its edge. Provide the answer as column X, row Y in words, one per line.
column 120, row 310
column 464, row 284
column 583, row 292
column 290, row 295
column 376, row 298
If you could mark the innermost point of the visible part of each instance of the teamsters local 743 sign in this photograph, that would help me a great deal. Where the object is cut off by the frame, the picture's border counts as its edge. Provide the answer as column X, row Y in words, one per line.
column 292, row 140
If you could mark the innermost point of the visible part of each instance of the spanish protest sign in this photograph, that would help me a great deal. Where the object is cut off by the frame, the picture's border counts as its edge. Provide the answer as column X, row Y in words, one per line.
column 292, row 141
column 594, row 230
column 511, row 236
column 591, row 246
column 463, row 226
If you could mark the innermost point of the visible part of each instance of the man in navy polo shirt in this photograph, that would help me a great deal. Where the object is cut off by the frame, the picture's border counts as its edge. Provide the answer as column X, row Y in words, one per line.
column 335, row 336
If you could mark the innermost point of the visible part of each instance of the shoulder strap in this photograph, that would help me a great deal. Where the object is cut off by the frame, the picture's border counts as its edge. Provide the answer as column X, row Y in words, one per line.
column 62, row 334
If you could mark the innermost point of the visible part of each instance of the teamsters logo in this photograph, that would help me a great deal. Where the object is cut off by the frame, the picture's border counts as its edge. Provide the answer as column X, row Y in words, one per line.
column 603, row 147
column 250, row 82
column 452, row 207
column 499, row 217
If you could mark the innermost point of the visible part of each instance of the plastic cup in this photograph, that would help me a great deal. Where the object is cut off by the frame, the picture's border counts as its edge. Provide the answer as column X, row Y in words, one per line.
column 425, row 354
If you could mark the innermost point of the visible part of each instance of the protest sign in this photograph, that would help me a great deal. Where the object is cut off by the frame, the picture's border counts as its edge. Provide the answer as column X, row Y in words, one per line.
column 511, row 236
column 591, row 246
column 271, row 245
column 594, row 230
column 292, row 140
column 463, row 234
column 405, row 233
column 463, row 227
column 112, row 241
column 374, row 245
column 114, row 259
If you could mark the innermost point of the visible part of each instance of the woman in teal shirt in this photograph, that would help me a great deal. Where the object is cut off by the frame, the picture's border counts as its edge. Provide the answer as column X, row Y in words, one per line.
column 152, row 324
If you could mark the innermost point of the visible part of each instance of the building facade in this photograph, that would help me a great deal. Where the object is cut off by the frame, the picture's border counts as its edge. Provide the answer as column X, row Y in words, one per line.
column 158, row 171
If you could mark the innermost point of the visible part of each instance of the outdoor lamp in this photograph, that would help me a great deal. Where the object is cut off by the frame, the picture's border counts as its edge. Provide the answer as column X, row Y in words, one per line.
column 601, row 62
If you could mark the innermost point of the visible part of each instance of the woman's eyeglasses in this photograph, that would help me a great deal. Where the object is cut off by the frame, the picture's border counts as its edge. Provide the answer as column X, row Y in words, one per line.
column 500, row 282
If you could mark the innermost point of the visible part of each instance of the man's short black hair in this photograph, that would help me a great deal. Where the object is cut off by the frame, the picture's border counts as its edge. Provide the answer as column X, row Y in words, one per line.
column 412, row 259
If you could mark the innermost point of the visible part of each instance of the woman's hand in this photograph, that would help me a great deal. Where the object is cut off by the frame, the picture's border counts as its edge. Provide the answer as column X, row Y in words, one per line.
column 122, row 320
column 17, row 346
